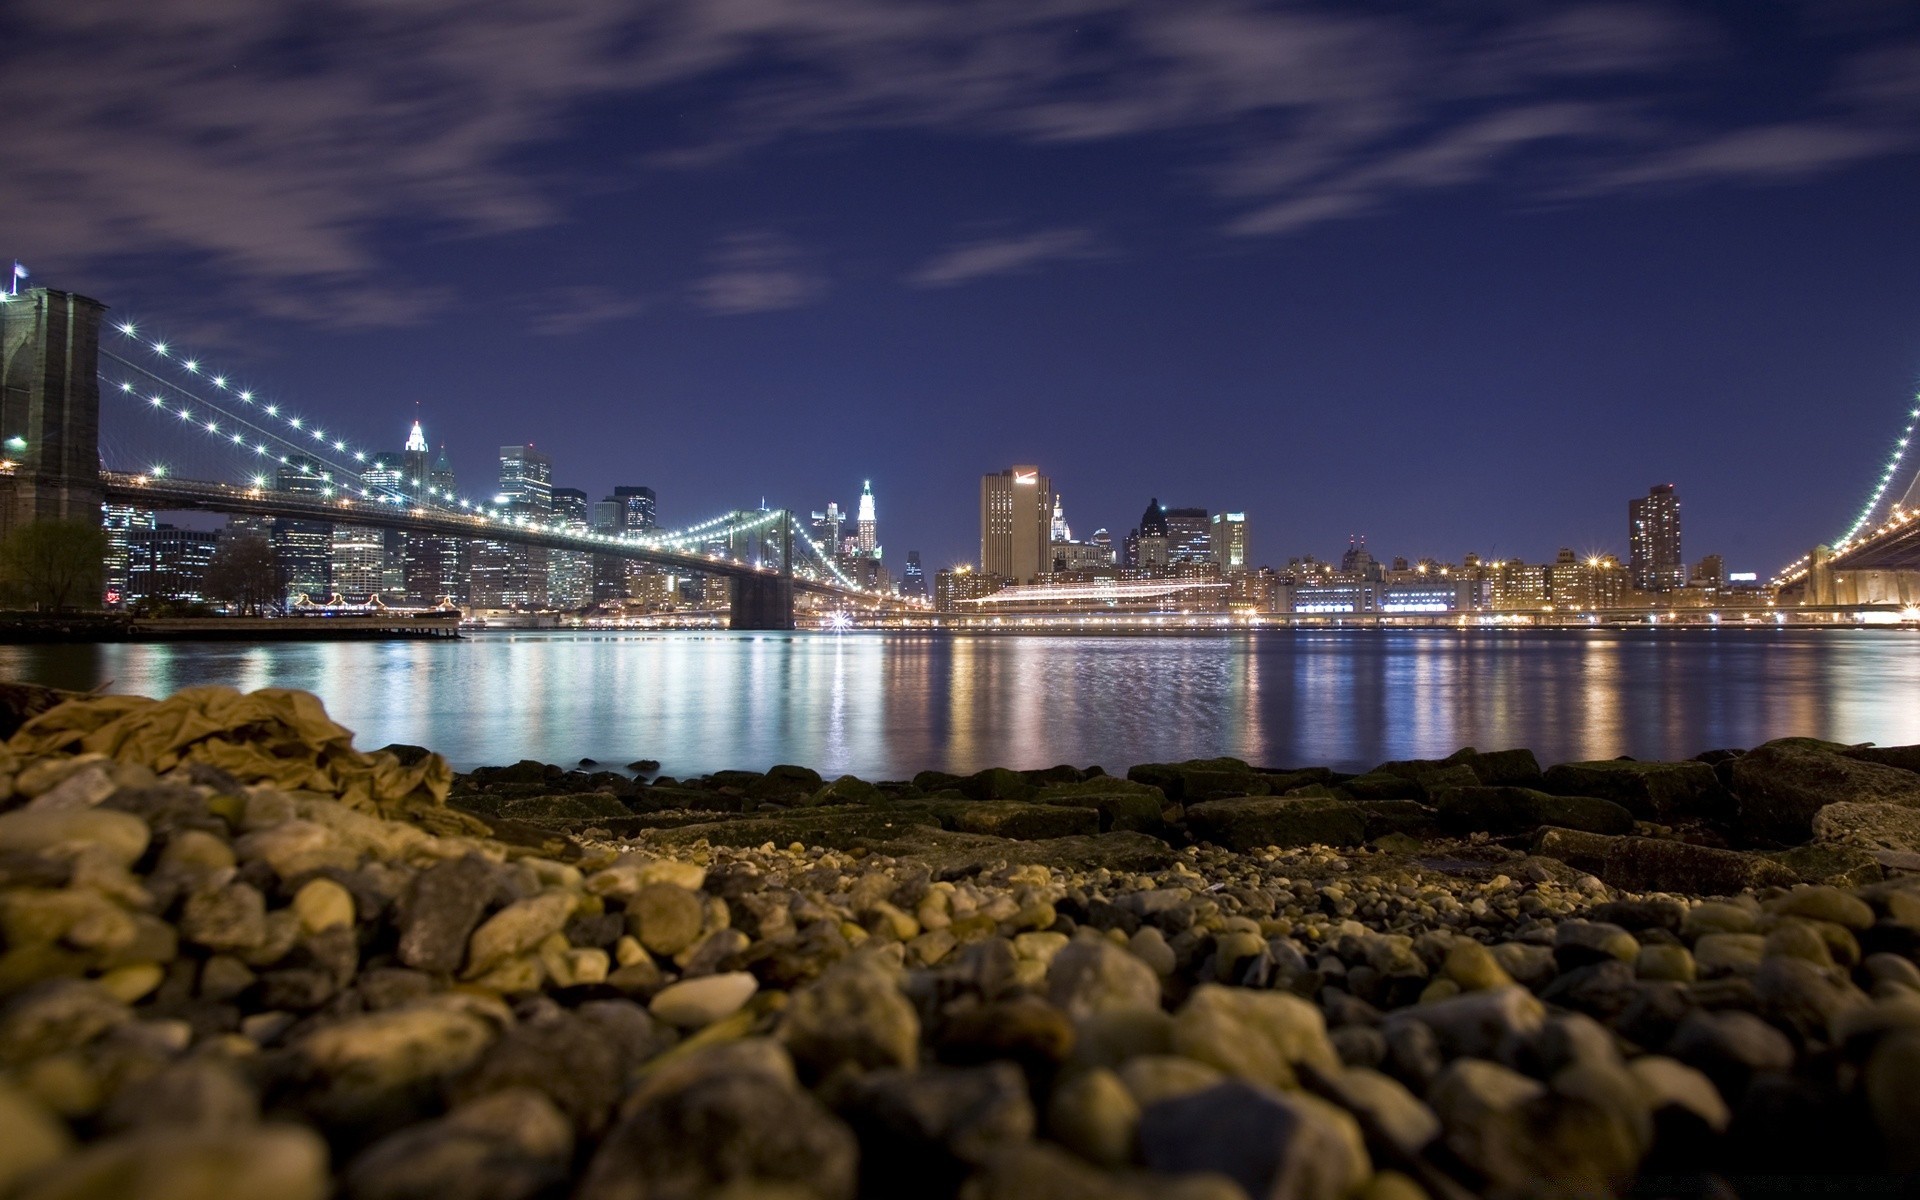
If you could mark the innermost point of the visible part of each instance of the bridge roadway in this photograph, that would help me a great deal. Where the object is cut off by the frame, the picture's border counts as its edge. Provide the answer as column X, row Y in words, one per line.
column 1895, row 547
column 755, row 585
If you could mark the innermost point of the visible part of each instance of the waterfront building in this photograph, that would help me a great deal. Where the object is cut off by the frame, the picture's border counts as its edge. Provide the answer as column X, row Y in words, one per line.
column 119, row 521
column 304, row 549
column 952, row 587
column 1081, row 556
column 168, row 563
column 1227, row 534
column 913, row 579
column 1709, row 572
column 1153, row 540
column 867, row 526
column 359, row 561
column 1016, row 517
column 570, row 572
column 1653, row 532
column 1189, row 535
column 507, row 575
column 1519, row 587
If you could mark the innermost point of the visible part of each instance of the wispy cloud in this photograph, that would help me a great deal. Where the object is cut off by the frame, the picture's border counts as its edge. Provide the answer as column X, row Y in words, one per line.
column 757, row 272
column 580, row 307
column 1004, row 256
column 283, row 144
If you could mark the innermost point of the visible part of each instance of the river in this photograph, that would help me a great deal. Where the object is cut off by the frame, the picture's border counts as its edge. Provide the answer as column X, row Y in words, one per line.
column 887, row 705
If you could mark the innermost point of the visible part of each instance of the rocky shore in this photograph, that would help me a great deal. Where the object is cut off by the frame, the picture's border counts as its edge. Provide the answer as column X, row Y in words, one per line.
column 243, row 959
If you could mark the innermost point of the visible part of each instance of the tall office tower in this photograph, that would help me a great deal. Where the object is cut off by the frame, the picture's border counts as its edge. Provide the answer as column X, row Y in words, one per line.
column 120, row 521
column 570, row 572
column 1061, row 531
column 867, row 527
column 166, row 563
column 413, row 462
column 826, row 528
column 386, row 475
column 1153, row 540
column 1227, row 535
column 1653, row 534
column 643, row 507
column 304, row 549
column 1016, row 517
column 516, row 575
column 913, row 580
column 1187, row 530
column 440, row 474
column 359, row 561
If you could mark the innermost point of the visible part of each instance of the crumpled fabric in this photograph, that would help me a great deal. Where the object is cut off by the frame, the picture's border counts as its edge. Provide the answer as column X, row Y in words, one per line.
column 275, row 735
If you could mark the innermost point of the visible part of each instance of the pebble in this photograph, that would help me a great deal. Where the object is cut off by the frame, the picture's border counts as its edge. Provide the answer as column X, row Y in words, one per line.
column 697, row 1003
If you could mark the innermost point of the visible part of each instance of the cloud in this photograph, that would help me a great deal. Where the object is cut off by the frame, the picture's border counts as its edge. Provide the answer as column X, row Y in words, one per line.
column 1003, row 256
column 577, row 308
column 290, row 146
column 757, row 272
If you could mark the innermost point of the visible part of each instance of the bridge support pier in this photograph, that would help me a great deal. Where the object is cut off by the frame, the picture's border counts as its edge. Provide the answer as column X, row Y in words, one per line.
column 49, row 408
column 762, row 602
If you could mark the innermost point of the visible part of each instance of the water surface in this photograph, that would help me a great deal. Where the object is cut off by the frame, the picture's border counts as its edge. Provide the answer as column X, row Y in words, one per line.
column 887, row 705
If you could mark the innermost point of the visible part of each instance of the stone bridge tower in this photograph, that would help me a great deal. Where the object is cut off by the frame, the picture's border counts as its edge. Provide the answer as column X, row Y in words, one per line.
column 49, row 408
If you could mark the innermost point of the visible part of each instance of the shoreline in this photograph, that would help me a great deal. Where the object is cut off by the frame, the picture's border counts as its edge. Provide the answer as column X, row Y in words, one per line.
column 246, row 959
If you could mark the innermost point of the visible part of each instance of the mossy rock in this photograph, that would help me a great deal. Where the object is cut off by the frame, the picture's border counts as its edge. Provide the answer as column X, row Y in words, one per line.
column 1253, row 822
column 1137, row 810
column 1652, row 791
column 996, row 783
column 1500, row 810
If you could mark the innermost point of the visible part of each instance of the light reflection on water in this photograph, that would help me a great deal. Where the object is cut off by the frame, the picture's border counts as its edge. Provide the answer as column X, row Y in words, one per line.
column 886, row 705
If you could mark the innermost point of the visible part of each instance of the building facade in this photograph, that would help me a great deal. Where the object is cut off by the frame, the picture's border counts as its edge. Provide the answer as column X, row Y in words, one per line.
column 1653, row 533
column 1016, row 518
column 1227, row 535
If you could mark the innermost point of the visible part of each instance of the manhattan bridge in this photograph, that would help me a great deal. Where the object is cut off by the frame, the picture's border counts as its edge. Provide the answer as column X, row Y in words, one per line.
column 67, row 372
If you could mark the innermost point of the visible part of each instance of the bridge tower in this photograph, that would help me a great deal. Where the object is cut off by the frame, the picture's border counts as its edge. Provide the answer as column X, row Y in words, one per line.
column 49, row 408
column 766, row 601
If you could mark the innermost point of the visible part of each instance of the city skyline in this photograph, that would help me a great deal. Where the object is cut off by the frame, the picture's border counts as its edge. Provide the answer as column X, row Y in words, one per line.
column 1177, row 253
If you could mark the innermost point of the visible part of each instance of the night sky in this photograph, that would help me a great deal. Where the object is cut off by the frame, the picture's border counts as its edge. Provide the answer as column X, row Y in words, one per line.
column 1460, row 277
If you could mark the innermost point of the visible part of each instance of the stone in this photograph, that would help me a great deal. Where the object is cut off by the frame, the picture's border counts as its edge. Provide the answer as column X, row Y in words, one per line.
column 1092, row 974
column 1823, row 903
column 1251, row 824
column 202, row 1093
column 121, row 837
column 1672, row 1090
column 1640, row 864
column 322, row 904
column 427, row 1040
column 1480, row 1106
column 1718, row 916
column 1149, row 945
column 1136, row 810
column 1276, row 1145
column 854, row 1014
column 1780, row 786
column 439, row 911
column 696, row 1003
column 667, row 919
column 1392, row 1109
column 35, row 1137
column 1580, row 943
column 1021, row 1028
column 922, row 1131
column 718, row 1129
column 1664, row 961
column 1150, row 1078
column 1017, row 820
column 56, row 1015
column 1254, row 1035
column 580, row 1060
column 1474, row 967
column 1503, row 810
column 1717, row 954
column 508, row 1145
column 1506, row 768
column 1869, row 825
column 1730, row 1047
column 516, row 929
column 847, row 790
column 1892, row 1098
column 1093, row 1114
column 1476, row 1023
column 1652, row 791
column 266, row 1162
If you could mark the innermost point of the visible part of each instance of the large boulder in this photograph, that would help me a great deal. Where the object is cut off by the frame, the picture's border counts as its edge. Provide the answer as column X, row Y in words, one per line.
column 1517, row 810
column 1868, row 826
column 1780, row 786
column 1907, row 758
column 1202, row 779
column 1640, row 864
column 1652, row 791
column 1013, row 819
column 1139, row 810
column 1253, row 822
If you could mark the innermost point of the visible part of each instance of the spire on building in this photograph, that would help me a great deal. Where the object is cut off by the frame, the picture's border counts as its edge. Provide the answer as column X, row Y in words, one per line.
column 865, row 526
column 416, row 441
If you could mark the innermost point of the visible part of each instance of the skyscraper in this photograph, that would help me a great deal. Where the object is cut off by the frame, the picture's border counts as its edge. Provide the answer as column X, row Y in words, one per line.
column 570, row 572
column 643, row 507
column 359, row 561
column 304, row 548
column 1153, row 540
column 1016, row 517
column 507, row 574
column 413, row 462
column 1228, row 538
column 120, row 521
column 913, row 580
column 866, row 527
column 1187, row 535
column 1653, row 536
